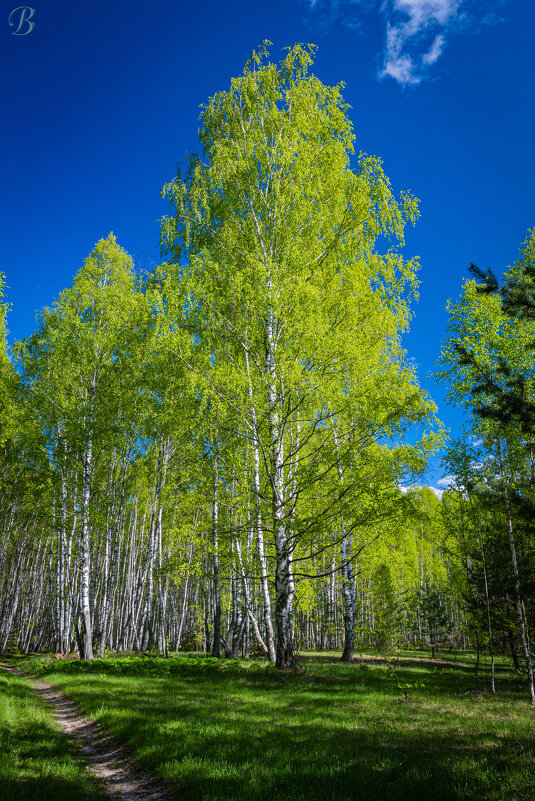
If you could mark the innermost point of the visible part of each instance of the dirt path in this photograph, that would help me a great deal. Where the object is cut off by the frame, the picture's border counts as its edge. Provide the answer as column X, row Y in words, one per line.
column 105, row 757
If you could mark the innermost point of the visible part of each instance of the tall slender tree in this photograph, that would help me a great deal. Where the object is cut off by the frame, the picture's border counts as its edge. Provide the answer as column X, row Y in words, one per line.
column 77, row 368
column 295, row 312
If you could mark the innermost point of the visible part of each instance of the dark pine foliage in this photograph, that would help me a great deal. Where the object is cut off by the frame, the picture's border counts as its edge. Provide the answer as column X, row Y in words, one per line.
column 508, row 401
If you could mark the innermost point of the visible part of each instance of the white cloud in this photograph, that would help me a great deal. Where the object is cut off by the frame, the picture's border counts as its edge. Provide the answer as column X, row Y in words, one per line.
column 398, row 65
column 447, row 481
column 435, row 51
column 410, row 26
column 438, row 492
column 416, row 31
column 422, row 13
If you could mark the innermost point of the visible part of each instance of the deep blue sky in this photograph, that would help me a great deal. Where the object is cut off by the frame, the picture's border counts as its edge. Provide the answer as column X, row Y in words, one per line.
column 100, row 101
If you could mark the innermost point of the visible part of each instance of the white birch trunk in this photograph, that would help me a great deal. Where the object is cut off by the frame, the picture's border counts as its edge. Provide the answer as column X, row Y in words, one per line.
column 85, row 543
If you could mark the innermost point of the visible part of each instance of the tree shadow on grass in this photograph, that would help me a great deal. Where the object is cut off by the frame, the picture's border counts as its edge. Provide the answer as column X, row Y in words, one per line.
column 224, row 757
column 325, row 673
column 265, row 735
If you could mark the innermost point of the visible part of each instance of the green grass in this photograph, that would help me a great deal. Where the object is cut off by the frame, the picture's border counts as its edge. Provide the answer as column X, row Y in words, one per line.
column 224, row 731
column 37, row 763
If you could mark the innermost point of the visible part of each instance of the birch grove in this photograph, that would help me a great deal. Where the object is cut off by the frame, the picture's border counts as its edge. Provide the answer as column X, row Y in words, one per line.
column 218, row 455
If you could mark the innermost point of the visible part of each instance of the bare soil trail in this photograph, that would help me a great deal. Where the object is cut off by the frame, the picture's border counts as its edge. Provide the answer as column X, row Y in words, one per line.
column 105, row 757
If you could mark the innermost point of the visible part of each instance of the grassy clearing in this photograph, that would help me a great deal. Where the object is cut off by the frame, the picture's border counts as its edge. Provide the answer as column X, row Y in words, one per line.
column 37, row 763
column 223, row 731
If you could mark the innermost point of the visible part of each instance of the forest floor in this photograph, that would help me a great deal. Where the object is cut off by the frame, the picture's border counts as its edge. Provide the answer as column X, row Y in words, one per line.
column 218, row 730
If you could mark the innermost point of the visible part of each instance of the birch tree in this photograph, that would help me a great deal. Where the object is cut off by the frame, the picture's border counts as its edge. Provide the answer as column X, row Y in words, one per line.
column 296, row 313
column 77, row 367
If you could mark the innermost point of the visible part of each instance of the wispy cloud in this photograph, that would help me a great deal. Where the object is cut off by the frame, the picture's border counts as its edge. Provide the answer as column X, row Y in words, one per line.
column 447, row 481
column 415, row 487
column 416, row 32
column 416, row 36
